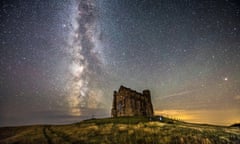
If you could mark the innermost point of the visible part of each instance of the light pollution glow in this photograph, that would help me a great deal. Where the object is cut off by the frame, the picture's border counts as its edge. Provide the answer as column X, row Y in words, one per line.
column 220, row 117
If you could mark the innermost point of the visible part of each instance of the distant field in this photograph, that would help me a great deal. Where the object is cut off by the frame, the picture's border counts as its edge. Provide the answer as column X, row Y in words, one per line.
column 125, row 130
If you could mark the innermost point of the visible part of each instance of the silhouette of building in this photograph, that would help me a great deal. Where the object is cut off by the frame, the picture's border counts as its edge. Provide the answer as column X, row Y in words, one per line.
column 127, row 102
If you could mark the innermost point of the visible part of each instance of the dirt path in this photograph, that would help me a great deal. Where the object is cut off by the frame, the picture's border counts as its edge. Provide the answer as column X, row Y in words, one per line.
column 53, row 137
column 45, row 129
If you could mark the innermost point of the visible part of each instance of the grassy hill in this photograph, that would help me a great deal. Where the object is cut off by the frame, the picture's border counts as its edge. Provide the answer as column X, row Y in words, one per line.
column 124, row 130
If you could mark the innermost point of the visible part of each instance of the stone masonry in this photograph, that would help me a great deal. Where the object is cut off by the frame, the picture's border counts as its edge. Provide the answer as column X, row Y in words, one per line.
column 127, row 102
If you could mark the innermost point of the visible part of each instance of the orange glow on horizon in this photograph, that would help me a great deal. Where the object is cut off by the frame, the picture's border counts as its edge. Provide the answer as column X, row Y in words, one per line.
column 217, row 117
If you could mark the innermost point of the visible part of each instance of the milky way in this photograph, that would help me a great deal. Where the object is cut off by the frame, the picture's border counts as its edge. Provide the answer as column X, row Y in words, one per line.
column 86, row 60
column 61, row 60
column 81, row 44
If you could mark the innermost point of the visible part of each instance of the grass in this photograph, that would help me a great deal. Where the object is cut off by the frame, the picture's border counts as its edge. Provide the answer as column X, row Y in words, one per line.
column 127, row 130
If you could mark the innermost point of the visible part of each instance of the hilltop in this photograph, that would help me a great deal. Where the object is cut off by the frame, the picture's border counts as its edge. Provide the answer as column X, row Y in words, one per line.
column 128, row 130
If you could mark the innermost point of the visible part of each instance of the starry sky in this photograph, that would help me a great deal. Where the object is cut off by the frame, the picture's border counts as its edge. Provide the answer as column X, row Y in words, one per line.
column 60, row 61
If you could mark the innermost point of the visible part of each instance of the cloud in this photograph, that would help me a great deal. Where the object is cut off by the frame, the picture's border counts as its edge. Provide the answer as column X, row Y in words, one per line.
column 182, row 93
column 33, row 117
column 237, row 98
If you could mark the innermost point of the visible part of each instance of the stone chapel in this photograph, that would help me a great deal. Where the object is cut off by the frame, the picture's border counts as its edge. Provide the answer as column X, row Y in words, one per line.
column 127, row 102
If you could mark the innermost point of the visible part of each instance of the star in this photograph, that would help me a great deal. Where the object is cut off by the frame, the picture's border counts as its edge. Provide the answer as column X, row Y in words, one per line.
column 68, row 54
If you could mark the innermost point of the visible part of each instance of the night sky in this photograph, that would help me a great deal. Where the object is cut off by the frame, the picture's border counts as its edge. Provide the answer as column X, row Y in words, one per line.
column 60, row 61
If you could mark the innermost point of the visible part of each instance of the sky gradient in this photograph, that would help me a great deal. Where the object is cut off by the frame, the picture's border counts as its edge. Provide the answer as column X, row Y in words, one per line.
column 61, row 60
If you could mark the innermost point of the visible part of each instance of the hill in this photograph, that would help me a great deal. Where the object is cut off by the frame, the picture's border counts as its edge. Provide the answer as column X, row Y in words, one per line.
column 127, row 130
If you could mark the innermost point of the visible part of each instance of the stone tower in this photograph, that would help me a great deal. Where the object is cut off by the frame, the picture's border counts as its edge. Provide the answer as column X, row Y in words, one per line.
column 127, row 102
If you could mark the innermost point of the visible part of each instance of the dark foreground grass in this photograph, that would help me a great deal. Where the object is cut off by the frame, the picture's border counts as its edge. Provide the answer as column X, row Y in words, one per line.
column 124, row 130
